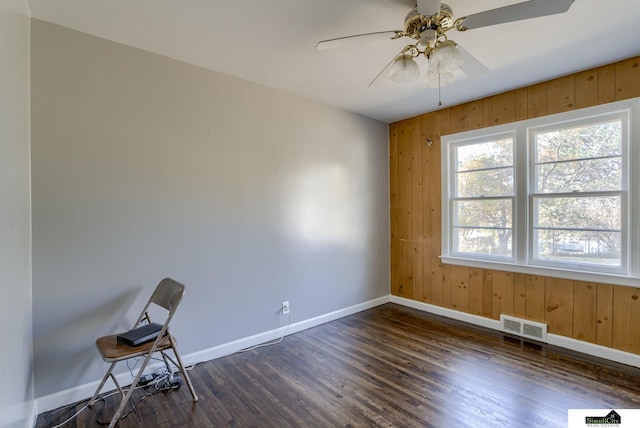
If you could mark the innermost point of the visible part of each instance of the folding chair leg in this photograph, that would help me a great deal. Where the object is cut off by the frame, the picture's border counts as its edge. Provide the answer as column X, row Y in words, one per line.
column 184, row 371
column 132, row 388
column 124, row 400
column 115, row 381
column 104, row 380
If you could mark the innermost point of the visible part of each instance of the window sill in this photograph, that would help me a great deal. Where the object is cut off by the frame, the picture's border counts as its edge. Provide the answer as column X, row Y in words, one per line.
column 603, row 278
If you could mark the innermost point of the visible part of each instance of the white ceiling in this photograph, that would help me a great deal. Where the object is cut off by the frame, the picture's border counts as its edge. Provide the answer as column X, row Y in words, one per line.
column 271, row 42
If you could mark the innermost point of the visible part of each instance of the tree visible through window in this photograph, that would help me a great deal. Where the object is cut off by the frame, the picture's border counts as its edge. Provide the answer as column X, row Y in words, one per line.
column 577, row 196
column 483, row 201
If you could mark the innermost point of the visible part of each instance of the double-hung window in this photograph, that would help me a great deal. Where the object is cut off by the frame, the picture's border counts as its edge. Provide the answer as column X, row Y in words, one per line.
column 556, row 195
column 483, row 196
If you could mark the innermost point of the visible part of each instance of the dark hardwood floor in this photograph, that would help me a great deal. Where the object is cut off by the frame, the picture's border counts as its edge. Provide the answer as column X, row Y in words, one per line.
column 389, row 366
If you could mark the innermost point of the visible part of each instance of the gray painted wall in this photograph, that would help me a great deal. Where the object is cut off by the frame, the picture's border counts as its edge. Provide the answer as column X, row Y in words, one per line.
column 144, row 167
column 16, row 397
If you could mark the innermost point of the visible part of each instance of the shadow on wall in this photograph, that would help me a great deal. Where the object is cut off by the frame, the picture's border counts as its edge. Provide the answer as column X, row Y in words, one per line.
column 64, row 337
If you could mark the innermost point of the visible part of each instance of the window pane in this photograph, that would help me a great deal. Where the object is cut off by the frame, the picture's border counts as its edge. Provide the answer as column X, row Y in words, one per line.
column 482, row 241
column 579, row 176
column 490, row 154
column 570, row 246
column 582, row 142
column 492, row 182
column 598, row 212
column 483, row 213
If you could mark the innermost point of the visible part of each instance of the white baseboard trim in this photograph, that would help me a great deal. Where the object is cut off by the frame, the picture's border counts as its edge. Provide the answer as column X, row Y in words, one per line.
column 449, row 313
column 552, row 339
column 238, row 345
column 83, row 392
column 595, row 350
column 80, row 392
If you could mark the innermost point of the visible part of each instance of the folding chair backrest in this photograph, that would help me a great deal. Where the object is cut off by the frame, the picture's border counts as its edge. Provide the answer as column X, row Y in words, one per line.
column 168, row 294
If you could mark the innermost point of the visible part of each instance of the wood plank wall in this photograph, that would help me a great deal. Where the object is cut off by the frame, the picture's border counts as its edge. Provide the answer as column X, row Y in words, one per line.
column 604, row 314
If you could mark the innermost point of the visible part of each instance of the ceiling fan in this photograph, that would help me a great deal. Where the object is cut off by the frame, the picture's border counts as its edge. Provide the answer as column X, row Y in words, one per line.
column 428, row 23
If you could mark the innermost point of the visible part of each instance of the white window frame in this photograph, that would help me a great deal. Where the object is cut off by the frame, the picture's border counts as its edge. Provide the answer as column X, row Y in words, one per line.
column 493, row 136
column 522, row 251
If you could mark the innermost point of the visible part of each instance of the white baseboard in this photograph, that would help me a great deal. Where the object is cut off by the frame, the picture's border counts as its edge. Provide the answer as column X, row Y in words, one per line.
column 552, row 339
column 595, row 350
column 235, row 346
column 82, row 392
column 449, row 313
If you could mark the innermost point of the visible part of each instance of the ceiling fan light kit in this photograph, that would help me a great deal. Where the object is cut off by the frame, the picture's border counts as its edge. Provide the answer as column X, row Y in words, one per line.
column 404, row 69
column 443, row 62
column 428, row 23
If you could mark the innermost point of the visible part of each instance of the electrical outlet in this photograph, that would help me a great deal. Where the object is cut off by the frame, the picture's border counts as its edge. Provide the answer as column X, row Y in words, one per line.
column 285, row 308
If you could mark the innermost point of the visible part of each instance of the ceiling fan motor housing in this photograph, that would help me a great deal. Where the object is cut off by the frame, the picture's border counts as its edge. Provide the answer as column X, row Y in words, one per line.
column 416, row 24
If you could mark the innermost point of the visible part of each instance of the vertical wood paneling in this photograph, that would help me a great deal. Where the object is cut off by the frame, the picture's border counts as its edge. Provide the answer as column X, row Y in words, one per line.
column 405, row 269
column 503, row 106
column 535, row 310
column 405, row 261
column 537, row 100
column 626, row 319
column 586, row 88
column 604, row 314
column 475, row 115
column 460, row 288
column 561, row 95
column 584, row 314
column 457, row 119
column 404, row 180
column 475, row 291
column 522, row 103
column 607, row 84
column 428, row 161
column 627, row 78
column 502, row 294
column 394, row 206
column 520, row 295
column 447, row 284
column 487, row 293
column 435, row 288
column 437, row 120
column 487, row 112
column 444, row 123
column 417, row 235
column 559, row 306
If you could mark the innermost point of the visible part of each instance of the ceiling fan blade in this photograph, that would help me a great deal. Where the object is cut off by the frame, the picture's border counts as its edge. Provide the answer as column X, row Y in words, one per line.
column 429, row 7
column 367, row 37
column 470, row 64
column 515, row 12
column 384, row 70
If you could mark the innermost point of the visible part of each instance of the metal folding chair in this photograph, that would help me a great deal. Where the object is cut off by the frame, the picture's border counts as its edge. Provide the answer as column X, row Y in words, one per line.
column 167, row 295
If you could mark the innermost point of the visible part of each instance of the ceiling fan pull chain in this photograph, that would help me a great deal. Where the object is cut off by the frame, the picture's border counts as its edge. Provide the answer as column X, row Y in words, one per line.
column 439, row 95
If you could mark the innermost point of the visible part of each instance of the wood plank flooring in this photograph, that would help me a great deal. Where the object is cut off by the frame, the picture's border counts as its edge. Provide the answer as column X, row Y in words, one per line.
column 389, row 366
